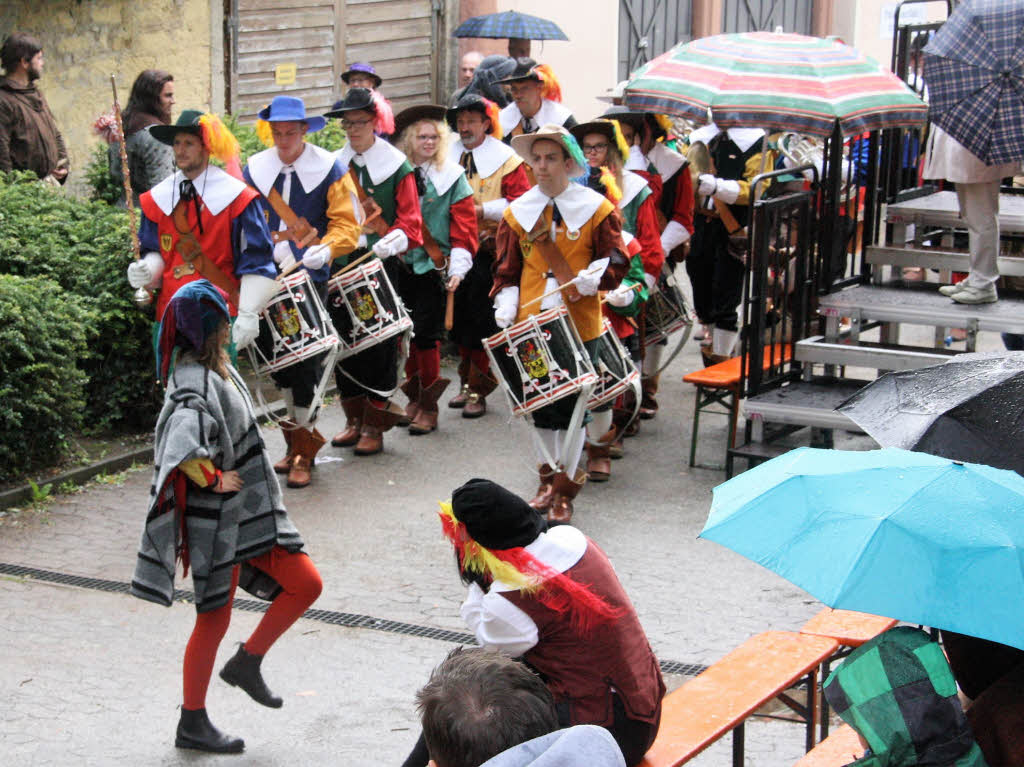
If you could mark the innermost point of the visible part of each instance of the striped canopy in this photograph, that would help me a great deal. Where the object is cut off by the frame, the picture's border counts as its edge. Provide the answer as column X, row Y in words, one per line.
column 775, row 81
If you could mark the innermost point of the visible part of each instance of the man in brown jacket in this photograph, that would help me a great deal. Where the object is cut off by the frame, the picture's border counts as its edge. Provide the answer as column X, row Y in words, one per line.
column 29, row 137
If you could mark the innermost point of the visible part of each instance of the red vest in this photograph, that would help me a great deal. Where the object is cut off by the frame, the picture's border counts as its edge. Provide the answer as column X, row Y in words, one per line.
column 215, row 242
column 582, row 672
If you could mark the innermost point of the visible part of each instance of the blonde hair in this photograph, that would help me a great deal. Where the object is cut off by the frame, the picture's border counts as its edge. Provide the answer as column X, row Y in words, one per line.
column 612, row 158
column 443, row 140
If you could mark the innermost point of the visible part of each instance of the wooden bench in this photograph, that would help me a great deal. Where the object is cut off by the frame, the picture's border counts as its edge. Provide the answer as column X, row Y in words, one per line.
column 720, row 385
column 838, row 749
column 722, row 698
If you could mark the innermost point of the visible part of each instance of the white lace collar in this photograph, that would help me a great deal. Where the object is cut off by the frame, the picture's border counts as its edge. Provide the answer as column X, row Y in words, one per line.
column 488, row 157
column 744, row 138
column 311, row 168
column 632, row 185
column 381, row 159
column 576, row 203
column 215, row 187
column 559, row 548
column 549, row 112
column 443, row 178
column 665, row 161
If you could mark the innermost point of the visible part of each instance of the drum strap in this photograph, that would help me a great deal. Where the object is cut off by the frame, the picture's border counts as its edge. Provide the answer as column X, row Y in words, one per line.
column 433, row 249
column 374, row 222
column 540, row 239
column 192, row 254
column 299, row 230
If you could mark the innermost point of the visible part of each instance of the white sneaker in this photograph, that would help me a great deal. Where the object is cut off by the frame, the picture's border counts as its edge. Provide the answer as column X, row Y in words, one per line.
column 949, row 290
column 971, row 295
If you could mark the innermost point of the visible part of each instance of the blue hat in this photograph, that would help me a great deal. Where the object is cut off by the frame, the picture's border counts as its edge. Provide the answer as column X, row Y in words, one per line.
column 290, row 109
column 362, row 68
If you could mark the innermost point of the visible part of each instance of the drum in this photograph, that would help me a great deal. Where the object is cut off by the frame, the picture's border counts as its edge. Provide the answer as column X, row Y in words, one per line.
column 365, row 308
column 666, row 310
column 615, row 369
column 294, row 326
column 540, row 360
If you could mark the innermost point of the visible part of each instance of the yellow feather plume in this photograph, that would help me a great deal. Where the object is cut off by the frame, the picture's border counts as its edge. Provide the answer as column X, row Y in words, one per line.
column 478, row 559
column 264, row 133
column 611, row 186
column 620, row 140
column 665, row 124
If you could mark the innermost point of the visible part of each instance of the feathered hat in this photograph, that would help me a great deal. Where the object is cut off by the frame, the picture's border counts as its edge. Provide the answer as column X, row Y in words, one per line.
column 476, row 103
column 528, row 69
column 216, row 138
column 523, row 146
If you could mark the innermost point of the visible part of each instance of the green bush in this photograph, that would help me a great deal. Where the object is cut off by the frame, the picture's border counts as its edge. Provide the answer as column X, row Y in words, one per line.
column 42, row 390
column 84, row 248
column 97, row 174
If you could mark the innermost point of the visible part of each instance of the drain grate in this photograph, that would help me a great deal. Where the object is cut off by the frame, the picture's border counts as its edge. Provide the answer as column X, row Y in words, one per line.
column 348, row 620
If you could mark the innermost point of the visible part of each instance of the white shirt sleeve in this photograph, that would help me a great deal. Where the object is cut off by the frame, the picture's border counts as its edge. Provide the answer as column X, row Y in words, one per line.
column 493, row 209
column 497, row 623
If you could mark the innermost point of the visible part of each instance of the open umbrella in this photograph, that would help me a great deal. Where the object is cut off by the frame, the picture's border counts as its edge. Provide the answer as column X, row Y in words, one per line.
column 510, row 24
column 775, row 81
column 968, row 409
column 906, row 535
column 974, row 68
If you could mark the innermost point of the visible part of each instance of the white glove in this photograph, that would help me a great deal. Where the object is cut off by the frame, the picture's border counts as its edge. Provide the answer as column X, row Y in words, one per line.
column 283, row 255
column 146, row 272
column 361, row 242
column 506, row 306
column 588, row 279
column 675, row 234
column 622, row 296
column 728, row 191
column 706, row 184
column 459, row 262
column 253, row 294
column 652, row 283
column 493, row 209
column 316, row 257
column 636, row 159
column 391, row 244
column 555, row 299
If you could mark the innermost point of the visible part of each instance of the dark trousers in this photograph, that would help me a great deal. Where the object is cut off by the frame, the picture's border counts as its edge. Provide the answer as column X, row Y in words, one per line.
column 558, row 414
column 424, row 297
column 716, row 277
column 474, row 310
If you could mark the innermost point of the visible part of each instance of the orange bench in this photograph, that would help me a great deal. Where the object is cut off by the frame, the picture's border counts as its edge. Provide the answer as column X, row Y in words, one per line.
column 722, row 698
column 840, row 748
column 720, row 385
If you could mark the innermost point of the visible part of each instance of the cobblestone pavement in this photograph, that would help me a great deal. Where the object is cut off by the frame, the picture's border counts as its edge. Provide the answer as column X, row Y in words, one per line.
column 93, row 678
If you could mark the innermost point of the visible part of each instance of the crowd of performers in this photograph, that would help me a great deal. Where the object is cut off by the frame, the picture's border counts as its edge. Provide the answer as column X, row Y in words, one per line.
column 478, row 224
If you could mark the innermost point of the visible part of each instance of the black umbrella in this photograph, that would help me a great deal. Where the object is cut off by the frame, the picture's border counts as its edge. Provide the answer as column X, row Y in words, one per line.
column 969, row 409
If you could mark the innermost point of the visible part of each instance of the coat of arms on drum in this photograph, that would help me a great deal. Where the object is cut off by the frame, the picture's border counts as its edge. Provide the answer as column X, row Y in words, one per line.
column 364, row 305
column 286, row 320
column 533, row 359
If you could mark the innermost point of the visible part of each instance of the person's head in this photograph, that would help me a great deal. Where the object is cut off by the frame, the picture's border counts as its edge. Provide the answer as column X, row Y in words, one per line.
column 474, row 118
column 479, row 703
column 528, row 95
column 637, row 125
column 194, row 138
column 530, row 83
column 22, row 56
column 288, row 123
column 488, row 79
column 603, row 146
column 467, row 66
column 152, row 93
column 358, row 115
column 426, row 141
column 196, row 321
column 361, row 75
column 518, row 47
column 554, row 155
column 190, row 155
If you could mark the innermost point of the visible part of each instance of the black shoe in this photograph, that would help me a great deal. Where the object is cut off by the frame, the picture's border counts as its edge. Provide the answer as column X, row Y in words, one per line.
column 195, row 730
column 243, row 670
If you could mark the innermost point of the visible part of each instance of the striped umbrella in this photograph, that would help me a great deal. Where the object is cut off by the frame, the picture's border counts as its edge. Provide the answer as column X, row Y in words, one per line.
column 775, row 81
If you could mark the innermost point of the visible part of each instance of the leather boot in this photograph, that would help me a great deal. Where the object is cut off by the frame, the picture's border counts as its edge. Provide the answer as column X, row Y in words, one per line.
column 545, row 492
column 376, row 421
column 480, row 385
column 426, row 415
column 599, row 461
column 566, row 491
column 195, row 730
column 459, row 400
column 287, row 429
column 411, row 388
column 353, row 407
column 309, row 444
column 648, row 404
column 243, row 670
column 709, row 358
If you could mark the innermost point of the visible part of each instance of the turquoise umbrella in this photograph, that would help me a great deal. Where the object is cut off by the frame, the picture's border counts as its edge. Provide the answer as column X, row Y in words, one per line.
column 906, row 535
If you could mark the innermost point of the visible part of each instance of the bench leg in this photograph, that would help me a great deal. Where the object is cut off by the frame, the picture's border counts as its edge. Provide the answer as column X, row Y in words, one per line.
column 697, row 405
column 824, row 701
column 738, row 745
column 812, row 707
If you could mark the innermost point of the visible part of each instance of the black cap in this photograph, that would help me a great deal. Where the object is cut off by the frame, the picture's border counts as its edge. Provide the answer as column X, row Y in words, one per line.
column 411, row 115
column 523, row 71
column 468, row 103
column 355, row 99
column 495, row 517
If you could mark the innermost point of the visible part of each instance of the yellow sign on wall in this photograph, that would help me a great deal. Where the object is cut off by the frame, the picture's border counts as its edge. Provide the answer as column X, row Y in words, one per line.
column 284, row 74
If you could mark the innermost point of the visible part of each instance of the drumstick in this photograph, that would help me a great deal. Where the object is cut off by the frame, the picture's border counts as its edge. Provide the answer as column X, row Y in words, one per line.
column 449, row 310
column 359, row 260
column 560, row 288
column 604, row 298
column 291, row 268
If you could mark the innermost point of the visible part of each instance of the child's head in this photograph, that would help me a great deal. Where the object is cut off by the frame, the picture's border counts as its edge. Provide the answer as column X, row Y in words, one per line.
column 196, row 319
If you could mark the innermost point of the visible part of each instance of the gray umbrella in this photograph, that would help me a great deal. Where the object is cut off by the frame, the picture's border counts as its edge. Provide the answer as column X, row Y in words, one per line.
column 969, row 409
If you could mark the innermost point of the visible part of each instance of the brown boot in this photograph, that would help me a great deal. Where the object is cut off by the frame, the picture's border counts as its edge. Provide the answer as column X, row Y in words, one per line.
column 376, row 421
column 566, row 490
column 599, row 460
column 287, row 430
column 411, row 388
column 459, row 400
column 648, row 404
column 545, row 492
column 308, row 444
column 353, row 407
column 709, row 358
column 480, row 385
column 426, row 414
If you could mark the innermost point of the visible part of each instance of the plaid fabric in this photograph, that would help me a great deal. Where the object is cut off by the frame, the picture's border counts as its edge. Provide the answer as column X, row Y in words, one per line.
column 510, row 24
column 974, row 68
column 898, row 693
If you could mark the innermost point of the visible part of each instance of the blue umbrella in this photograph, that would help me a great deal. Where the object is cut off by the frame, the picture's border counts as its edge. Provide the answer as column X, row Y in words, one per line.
column 974, row 68
column 509, row 24
column 906, row 535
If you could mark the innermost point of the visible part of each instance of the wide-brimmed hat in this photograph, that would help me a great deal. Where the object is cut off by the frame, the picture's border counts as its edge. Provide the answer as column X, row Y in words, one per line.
column 523, row 145
column 606, row 128
column 188, row 122
column 355, row 99
column 411, row 115
column 523, row 71
column 474, row 103
column 362, row 68
column 290, row 109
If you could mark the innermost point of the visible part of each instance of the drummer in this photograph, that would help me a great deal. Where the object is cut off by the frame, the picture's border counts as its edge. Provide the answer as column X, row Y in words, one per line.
column 606, row 150
column 385, row 184
column 300, row 180
column 586, row 234
column 449, row 241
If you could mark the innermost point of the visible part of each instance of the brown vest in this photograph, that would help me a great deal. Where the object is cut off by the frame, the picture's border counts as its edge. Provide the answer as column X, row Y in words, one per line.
column 582, row 672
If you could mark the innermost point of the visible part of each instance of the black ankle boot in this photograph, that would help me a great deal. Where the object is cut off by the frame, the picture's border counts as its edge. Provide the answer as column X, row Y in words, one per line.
column 243, row 670
column 195, row 730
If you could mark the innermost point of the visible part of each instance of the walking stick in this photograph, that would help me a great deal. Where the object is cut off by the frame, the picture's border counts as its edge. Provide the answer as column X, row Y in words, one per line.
column 142, row 296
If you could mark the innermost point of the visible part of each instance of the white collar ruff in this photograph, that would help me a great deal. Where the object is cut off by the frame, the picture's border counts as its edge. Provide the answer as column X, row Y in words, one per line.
column 549, row 112
column 744, row 138
column 632, row 185
column 488, row 157
column 443, row 178
column 576, row 203
column 559, row 548
column 665, row 161
column 311, row 167
column 215, row 187
column 381, row 159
